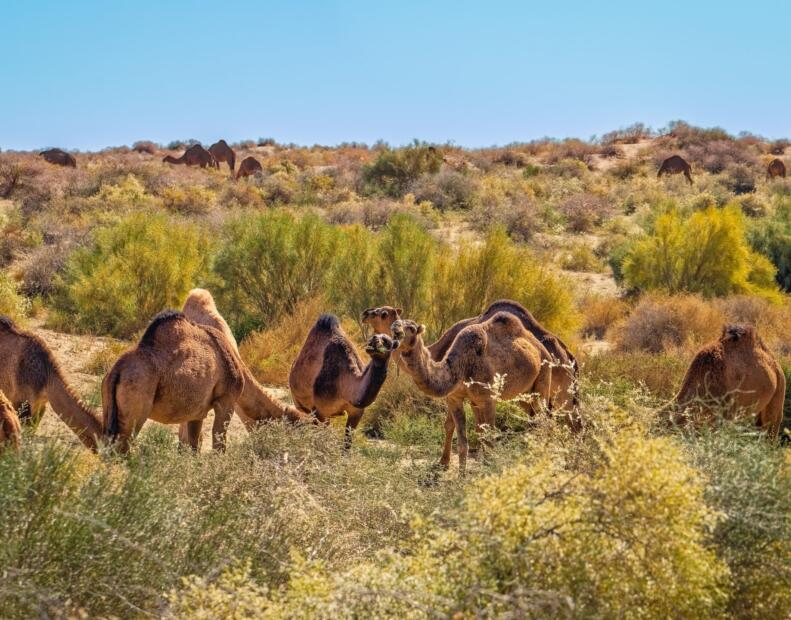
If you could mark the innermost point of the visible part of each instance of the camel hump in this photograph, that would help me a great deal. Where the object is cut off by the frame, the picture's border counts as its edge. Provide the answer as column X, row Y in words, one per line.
column 163, row 318
column 201, row 298
column 327, row 323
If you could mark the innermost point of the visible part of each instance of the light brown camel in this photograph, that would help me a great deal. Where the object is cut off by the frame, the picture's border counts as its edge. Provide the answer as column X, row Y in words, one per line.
column 776, row 168
column 176, row 374
column 563, row 363
column 248, row 167
column 195, row 155
column 222, row 152
column 30, row 376
column 499, row 346
column 676, row 164
column 10, row 431
column 736, row 373
column 255, row 402
column 328, row 378
column 59, row 158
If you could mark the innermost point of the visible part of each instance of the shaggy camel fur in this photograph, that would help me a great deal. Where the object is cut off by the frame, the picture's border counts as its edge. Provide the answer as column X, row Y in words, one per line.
column 736, row 372
column 30, row 377
column 200, row 308
column 328, row 377
column 59, row 158
column 195, row 155
column 498, row 346
column 776, row 168
column 248, row 168
column 10, row 432
column 676, row 164
column 220, row 151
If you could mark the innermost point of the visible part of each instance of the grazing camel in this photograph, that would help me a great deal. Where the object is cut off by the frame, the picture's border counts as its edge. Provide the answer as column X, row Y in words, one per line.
column 676, row 164
column 10, row 432
column 738, row 373
column 498, row 346
column 59, row 158
column 328, row 377
column 248, row 167
column 776, row 168
column 222, row 152
column 195, row 155
column 30, row 377
column 200, row 308
column 176, row 374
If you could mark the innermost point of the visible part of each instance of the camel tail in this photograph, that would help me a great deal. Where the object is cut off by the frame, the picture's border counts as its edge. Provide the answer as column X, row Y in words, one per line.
column 113, row 426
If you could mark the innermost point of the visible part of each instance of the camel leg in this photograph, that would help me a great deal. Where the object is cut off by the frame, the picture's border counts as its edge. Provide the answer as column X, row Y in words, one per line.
column 689, row 176
column 457, row 409
column 223, row 410
column 353, row 418
column 450, row 425
column 132, row 410
column 486, row 411
column 771, row 418
column 190, row 434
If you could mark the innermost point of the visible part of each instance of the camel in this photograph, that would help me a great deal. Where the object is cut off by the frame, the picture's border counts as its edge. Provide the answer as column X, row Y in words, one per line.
column 564, row 364
column 30, row 377
column 222, row 152
column 675, row 164
column 776, row 168
column 59, row 158
column 328, row 378
column 200, row 308
column 10, row 431
column 195, row 155
column 248, row 167
column 479, row 352
column 736, row 372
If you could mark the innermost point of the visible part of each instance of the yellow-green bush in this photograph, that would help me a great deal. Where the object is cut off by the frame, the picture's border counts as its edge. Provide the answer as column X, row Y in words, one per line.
column 625, row 537
column 132, row 270
column 705, row 253
column 188, row 199
column 12, row 304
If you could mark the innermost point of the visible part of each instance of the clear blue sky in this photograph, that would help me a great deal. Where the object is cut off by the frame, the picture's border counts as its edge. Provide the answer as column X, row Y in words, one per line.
column 88, row 73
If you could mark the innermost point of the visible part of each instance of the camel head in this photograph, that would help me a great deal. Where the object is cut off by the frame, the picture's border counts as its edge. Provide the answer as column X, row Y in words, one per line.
column 408, row 333
column 380, row 346
column 738, row 334
column 380, row 319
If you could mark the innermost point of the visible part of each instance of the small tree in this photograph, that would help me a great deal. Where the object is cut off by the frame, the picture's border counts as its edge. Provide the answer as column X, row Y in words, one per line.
column 706, row 253
column 394, row 170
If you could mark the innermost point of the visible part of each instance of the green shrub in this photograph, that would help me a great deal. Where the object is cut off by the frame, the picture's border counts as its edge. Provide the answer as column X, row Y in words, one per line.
column 705, row 253
column 445, row 190
column 132, row 270
column 12, row 304
column 394, row 170
column 772, row 237
column 268, row 262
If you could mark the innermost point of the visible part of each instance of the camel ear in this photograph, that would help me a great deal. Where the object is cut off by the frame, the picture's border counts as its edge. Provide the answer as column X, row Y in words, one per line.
column 367, row 311
column 421, row 328
column 398, row 311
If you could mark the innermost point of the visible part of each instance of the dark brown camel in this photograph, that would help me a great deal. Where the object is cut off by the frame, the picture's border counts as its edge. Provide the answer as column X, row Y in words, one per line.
column 776, row 168
column 222, row 152
column 248, row 167
column 195, row 155
column 676, row 164
column 59, row 158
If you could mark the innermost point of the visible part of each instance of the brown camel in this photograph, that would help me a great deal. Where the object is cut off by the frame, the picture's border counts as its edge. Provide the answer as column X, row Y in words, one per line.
column 776, row 168
column 30, row 377
column 59, row 158
column 563, row 363
column 222, row 152
column 675, row 164
column 328, row 377
column 499, row 346
column 10, row 431
column 738, row 373
column 176, row 374
column 195, row 155
column 255, row 402
column 248, row 167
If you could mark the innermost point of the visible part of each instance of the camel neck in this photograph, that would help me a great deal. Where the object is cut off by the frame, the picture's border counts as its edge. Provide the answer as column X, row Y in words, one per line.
column 435, row 378
column 373, row 378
